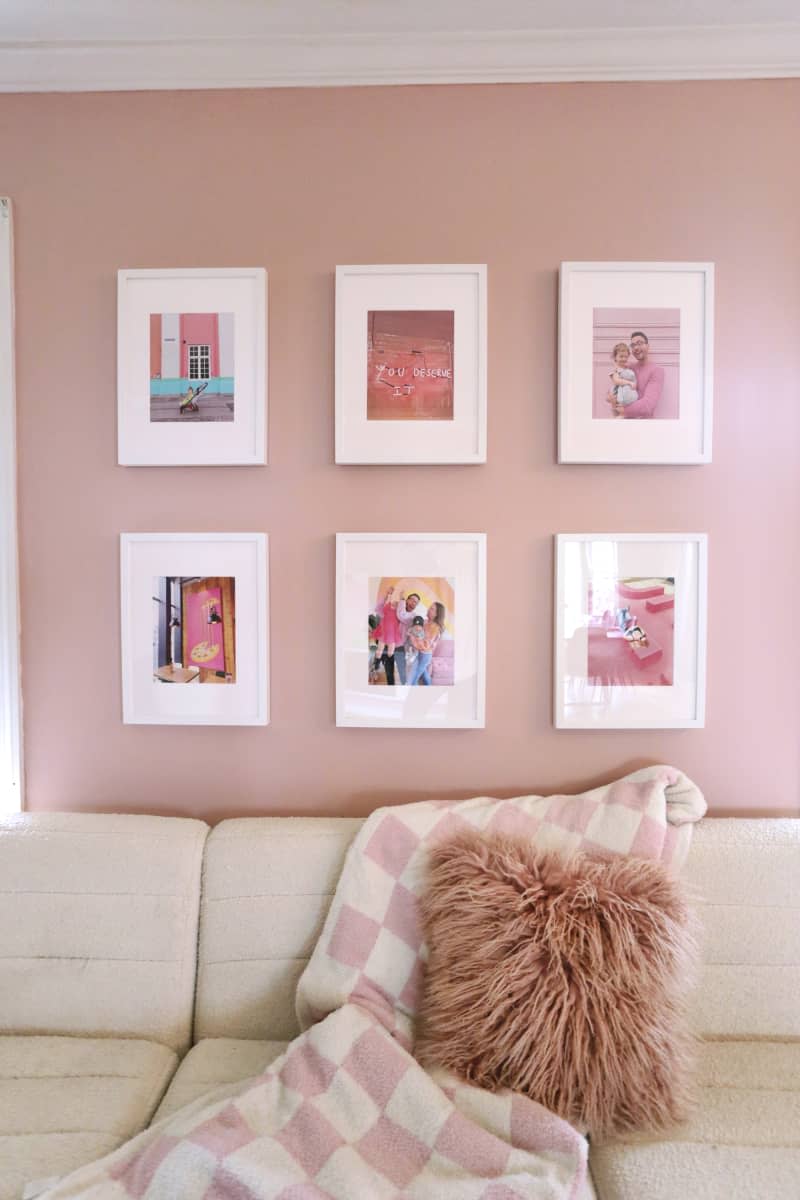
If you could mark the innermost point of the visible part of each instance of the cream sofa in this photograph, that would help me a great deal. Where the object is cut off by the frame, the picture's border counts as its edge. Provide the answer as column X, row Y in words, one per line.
column 146, row 960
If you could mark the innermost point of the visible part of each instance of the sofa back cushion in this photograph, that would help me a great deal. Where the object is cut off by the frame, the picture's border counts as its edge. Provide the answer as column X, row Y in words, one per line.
column 99, row 928
column 267, row 886
column 269, row 881
column 747, row 875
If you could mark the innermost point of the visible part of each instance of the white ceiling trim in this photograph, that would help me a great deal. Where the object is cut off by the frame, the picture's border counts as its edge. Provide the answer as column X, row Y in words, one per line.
column 512, row 56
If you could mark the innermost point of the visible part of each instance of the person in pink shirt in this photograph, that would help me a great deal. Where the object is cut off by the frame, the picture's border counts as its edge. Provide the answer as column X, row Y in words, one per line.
column 649, row 381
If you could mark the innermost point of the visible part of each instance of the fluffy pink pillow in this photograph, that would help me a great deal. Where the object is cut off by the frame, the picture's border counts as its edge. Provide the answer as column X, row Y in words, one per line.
column 562, row 979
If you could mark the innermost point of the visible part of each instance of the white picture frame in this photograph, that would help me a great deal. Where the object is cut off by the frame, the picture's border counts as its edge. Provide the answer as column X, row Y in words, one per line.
column 198, row 328
column 608, row 586
column 170, row 582
column 411, row 364
column 447, row 573
column 671, row 306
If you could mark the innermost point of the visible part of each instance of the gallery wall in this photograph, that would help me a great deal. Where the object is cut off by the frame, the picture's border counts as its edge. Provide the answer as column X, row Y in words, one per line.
column 521, row 178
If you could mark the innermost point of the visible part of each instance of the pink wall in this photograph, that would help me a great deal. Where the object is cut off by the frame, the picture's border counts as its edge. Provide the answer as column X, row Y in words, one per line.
column 303, row 180
column 155, row 345
column 200, row 329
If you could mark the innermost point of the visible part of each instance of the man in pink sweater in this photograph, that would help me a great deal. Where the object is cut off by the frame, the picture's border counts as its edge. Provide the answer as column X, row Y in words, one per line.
column 649, row 380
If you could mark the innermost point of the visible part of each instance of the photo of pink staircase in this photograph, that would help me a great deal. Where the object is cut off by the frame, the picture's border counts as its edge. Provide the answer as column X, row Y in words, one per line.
column 616, row 661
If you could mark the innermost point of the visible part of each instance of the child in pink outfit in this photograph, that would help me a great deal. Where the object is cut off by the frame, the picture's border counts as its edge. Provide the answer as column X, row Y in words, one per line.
column 389, row 634
column 389, row 629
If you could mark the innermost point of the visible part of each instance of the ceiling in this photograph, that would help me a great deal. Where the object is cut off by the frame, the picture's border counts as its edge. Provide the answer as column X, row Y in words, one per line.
column 80, row 45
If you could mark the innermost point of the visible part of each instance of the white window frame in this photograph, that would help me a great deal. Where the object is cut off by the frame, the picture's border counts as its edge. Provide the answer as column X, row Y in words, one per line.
column 202, row 358
column 11, row 768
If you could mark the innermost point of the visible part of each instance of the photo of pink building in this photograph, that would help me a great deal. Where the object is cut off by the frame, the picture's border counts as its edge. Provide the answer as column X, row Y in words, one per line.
column 191, row 367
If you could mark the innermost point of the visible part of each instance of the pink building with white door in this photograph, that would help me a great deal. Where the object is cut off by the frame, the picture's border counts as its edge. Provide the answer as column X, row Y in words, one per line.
column 189, row 349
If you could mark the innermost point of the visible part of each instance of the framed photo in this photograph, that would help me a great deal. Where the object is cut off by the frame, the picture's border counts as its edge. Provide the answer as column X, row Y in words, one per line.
column 411, row 630
column 630, row 637
column 191, row 367
column 411, row 364
column 636, row 348
column 194, row 629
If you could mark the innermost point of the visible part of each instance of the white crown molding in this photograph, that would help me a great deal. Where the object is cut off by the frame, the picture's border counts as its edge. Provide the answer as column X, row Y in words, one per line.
column 754, row 51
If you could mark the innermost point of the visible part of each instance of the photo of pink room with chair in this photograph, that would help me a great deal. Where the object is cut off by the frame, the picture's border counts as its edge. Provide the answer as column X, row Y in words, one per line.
column 636, row 364
column 194, row 629
column 411, row 631
column 631, row 631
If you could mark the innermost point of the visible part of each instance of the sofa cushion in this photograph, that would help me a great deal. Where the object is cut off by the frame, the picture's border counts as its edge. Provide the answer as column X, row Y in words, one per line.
column 743, row 1141
column 213, row 1062
column 267, row 887
column 747, row 876
column 65, row 1101
column 99, row 930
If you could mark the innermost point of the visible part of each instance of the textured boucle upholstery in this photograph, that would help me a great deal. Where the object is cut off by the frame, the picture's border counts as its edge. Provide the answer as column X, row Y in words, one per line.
column 746, row 874
column 214, row 1062
column 99, row 937
column 677, row 1171
column 99, row 929
column 67, row 1101
column 267, row 886
column 743, row 1142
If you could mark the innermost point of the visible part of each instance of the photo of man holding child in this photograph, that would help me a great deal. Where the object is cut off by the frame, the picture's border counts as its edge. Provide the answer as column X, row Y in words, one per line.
column 410, row 632
column 636, row 364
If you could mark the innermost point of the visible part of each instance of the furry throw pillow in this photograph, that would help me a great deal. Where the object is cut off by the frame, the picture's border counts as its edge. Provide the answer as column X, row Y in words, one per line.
column 562, row 979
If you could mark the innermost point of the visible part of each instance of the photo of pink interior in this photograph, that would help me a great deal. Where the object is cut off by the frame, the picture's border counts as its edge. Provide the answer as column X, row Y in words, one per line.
column 631, row 632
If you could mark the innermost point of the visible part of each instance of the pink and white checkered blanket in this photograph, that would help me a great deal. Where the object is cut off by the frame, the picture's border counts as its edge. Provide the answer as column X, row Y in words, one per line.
column 347, row 1113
